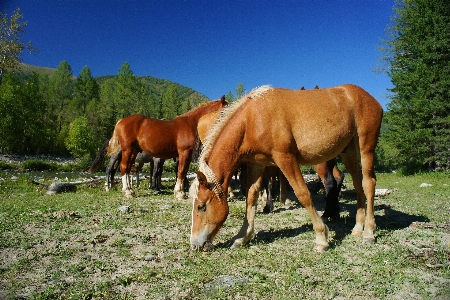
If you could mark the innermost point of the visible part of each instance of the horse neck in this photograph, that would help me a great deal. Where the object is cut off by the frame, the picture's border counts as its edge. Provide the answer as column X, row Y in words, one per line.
column 223, row 162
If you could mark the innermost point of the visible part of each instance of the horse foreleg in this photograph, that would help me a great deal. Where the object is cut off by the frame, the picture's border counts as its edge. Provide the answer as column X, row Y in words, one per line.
column 125, row 169
column 183, row 165
column 268, row 184
column 289, row 166
column 254, row 181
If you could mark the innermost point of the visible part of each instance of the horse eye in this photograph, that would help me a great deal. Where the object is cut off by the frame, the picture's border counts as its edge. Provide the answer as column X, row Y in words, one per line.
column 201, row 207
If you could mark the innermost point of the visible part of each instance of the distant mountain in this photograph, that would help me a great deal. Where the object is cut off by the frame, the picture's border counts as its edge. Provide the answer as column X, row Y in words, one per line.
column 156, row 86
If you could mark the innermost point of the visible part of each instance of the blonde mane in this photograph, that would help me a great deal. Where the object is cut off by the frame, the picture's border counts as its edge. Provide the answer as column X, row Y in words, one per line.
column 225, row 115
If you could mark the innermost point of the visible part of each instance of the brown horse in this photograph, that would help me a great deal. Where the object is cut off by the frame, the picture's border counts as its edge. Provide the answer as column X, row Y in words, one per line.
column 159, row 138
column 310, row 127
column 331, row 177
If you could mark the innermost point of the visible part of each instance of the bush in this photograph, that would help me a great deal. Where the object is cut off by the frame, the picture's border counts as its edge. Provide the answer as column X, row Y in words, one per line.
column 39, row 165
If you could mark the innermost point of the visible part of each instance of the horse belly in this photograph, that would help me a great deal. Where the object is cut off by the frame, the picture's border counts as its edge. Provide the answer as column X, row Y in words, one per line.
column 319, row 134
column 319, row 145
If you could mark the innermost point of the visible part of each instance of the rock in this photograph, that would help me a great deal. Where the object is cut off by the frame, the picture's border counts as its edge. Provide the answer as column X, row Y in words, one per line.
column 425, row 185
column 382, row 192
column 124, row 208
column 150, row 257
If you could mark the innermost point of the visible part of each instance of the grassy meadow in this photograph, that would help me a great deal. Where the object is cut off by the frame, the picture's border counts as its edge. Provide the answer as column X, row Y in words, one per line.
column 81, row 246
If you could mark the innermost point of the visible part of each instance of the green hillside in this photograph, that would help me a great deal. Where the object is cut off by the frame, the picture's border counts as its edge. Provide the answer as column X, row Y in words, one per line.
column 156, row 86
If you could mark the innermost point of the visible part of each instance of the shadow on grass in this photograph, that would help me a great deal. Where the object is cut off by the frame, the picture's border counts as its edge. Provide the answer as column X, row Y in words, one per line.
column 387, row 220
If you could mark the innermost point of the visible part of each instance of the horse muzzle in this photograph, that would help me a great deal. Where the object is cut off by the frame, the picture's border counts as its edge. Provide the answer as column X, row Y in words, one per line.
column 206, row 246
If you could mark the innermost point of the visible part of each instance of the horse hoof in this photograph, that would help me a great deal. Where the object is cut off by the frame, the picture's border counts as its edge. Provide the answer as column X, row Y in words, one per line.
column 369, row 241
column 267, row 209
column 357, row 233
column 320, row 248
column 128, row 194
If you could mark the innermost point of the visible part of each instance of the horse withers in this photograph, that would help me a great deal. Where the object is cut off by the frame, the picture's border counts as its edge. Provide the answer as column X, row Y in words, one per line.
column 287, row 128
column 159, row 138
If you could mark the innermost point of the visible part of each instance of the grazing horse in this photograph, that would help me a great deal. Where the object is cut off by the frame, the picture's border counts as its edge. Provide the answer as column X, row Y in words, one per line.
column 332, row 184
column 287, row 128
column 159, row 138
column 332, row 179
column 156, row 169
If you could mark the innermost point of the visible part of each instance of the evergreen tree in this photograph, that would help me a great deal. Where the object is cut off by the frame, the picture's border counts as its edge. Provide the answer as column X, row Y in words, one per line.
column 240, row 90
column 61, row 92
column 171, row 103
column 418, row 59
column 86, row 90
column 129, row 93
column 229, row 97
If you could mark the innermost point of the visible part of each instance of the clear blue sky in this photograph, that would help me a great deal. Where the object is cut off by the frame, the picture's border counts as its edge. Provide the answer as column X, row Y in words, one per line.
column 211, row 45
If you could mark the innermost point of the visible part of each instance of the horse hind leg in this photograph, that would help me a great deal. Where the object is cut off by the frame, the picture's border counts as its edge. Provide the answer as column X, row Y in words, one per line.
column 138, row 172
column 351, row 163
column 183, row 166
column 289, row 166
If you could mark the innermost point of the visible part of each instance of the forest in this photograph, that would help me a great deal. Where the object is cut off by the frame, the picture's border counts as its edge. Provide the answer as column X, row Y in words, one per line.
column 52, row 112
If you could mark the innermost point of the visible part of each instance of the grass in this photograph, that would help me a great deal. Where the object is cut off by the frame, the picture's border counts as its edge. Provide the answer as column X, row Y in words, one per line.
column 80, row 246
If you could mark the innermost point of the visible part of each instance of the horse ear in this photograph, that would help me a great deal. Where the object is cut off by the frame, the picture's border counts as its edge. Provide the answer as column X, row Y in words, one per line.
column 303, row 88
column 202, row 178
column 222, row 100
column 317, row 87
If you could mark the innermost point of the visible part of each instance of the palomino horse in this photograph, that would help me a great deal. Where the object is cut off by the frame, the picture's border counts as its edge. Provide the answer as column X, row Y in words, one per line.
column 159, row 138
column 287, row 128
column 331, row 177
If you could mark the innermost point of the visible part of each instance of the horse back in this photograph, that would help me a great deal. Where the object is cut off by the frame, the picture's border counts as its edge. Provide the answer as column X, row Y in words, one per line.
column 321, row 123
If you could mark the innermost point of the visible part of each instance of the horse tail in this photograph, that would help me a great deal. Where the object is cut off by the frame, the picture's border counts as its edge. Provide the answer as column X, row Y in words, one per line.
column 114, row 145
column 100, row 159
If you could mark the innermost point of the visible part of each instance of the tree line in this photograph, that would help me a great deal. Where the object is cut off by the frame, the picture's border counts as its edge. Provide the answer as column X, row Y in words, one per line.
column 61, row 114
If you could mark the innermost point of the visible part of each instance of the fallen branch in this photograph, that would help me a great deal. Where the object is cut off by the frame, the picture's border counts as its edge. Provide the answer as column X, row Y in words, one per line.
column 63, row 187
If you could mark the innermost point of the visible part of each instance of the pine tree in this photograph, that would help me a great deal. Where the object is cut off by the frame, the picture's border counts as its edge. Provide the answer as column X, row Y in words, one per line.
column 86, row 90
column 171, row 102
column 418, row 59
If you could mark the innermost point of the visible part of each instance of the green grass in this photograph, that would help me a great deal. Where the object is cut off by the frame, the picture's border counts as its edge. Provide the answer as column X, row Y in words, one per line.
column 80, row 246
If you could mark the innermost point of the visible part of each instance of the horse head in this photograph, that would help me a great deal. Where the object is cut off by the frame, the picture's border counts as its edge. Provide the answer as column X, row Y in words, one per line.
column 209, row 212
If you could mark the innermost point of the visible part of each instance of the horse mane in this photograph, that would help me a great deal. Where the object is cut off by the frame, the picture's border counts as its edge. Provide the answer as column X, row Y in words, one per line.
column 226, row 114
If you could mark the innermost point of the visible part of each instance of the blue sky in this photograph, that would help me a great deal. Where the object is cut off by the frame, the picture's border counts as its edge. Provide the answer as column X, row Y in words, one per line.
column 211, row 46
